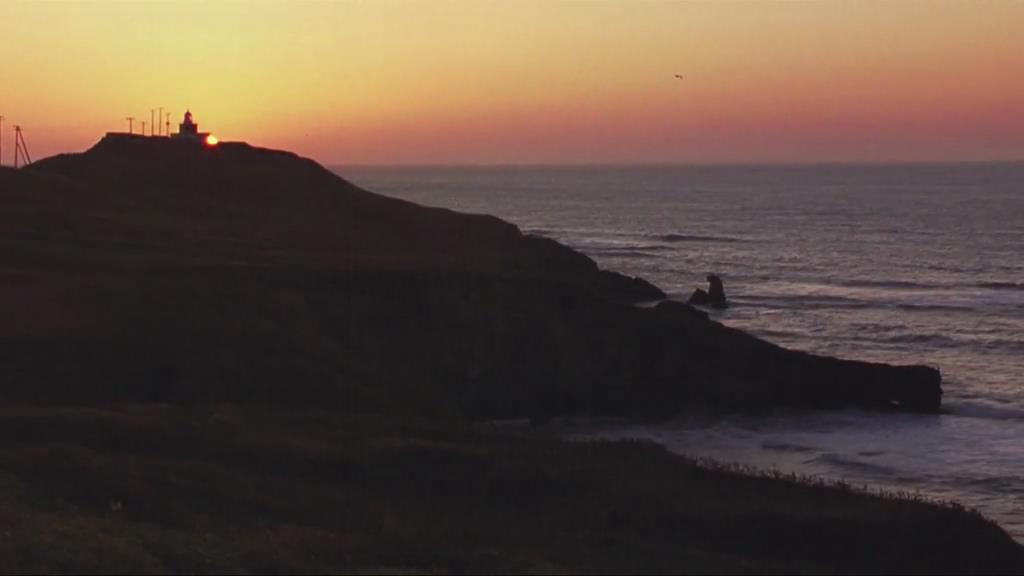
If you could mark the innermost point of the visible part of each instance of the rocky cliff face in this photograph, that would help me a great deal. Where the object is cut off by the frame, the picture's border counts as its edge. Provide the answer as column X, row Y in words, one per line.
column 144, row 270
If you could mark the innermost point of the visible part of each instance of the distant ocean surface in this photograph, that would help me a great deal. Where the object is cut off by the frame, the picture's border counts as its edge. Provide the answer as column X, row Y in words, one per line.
column 901, row 264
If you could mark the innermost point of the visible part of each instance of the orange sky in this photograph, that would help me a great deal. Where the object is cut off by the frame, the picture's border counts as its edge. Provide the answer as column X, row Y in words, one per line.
column 530, row 82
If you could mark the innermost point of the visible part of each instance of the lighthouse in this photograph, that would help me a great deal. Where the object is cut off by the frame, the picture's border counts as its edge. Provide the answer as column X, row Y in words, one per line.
column 188, row 130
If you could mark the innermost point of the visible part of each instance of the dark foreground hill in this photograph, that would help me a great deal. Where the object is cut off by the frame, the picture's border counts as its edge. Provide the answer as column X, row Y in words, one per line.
column 148, row 270
column 248, row 490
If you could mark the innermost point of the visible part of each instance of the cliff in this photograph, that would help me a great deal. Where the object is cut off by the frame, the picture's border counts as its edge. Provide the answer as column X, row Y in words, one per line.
column 148, row 270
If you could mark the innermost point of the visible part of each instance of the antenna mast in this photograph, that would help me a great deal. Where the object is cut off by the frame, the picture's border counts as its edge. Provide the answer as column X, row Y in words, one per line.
column 20, row 148
column 152, row 111
column 131, row 123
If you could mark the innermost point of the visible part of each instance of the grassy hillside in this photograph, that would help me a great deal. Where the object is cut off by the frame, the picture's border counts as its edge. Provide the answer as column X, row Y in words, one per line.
column 222, row 488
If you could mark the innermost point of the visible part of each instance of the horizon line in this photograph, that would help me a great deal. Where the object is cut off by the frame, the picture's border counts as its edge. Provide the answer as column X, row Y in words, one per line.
column 797, row 164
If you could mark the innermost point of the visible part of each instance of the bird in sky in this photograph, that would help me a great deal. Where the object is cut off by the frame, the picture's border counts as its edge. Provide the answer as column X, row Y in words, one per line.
column 680, row 76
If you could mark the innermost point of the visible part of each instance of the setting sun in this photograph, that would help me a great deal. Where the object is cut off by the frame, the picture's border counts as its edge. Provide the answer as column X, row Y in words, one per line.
column 211, row 140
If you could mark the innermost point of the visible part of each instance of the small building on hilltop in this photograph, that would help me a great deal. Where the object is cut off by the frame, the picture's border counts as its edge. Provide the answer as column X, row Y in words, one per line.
column 188, row 130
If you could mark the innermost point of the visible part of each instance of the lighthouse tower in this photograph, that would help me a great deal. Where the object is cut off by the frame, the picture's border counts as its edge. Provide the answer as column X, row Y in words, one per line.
column 188, row 130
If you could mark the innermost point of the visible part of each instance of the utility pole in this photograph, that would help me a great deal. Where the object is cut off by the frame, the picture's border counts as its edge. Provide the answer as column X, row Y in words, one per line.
column 159, row 125
column 168, row 131
column 1, row 140
column 152, row 111
column 131, row 122
column 20, row 149
column 143, row 128
column 24, row 149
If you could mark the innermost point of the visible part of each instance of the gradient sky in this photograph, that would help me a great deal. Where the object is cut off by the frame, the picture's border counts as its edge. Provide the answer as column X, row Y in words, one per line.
column 530, row 82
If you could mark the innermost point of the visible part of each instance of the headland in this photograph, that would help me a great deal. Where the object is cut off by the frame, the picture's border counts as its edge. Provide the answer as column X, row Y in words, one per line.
column 300, row 365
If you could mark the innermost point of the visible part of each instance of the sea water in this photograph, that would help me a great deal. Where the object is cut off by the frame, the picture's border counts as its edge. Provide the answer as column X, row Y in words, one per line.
column 901, row 264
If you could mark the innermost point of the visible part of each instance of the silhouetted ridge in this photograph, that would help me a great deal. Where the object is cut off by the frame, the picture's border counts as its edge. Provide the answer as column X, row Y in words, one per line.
column 146, row 269
column 293, row 205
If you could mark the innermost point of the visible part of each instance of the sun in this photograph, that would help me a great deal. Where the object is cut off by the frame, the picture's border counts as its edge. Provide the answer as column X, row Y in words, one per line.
column 211, row 140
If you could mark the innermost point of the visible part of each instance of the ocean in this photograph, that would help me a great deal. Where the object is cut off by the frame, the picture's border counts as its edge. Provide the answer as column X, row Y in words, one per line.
column 900, row 264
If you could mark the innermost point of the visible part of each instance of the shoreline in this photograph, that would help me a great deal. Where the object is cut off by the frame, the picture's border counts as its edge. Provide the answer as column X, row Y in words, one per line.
column 861, row 448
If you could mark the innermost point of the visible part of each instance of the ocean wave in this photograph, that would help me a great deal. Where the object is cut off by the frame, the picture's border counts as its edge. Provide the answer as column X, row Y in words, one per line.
column 1000, row 285
column 622, row 253
column 786, row 447
column 984, row 410
column 805, row 301
column 599, row 248
column 866, row 300
column 895, row 284
column 929, row 307
column 1001, row 344
column 852, row 464
column 918, row 338
column 944, row 268
column 695, row 238
column 539, row 232
column 997, row 484
column 953, row 339
column 914, row 285
column 775, row 333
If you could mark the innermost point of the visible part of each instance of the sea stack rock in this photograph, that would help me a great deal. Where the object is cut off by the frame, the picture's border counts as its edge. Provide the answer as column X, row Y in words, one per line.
column 713, row 297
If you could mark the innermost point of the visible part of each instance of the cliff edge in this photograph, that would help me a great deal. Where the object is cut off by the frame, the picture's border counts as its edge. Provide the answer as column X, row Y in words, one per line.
column 148, row 270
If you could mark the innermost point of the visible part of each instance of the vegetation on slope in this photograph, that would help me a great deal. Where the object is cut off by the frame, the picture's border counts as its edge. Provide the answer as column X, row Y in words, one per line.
column 226, row 488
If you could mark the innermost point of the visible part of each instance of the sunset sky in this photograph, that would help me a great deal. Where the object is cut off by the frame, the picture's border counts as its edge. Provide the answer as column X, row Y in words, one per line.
column 502, row 82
